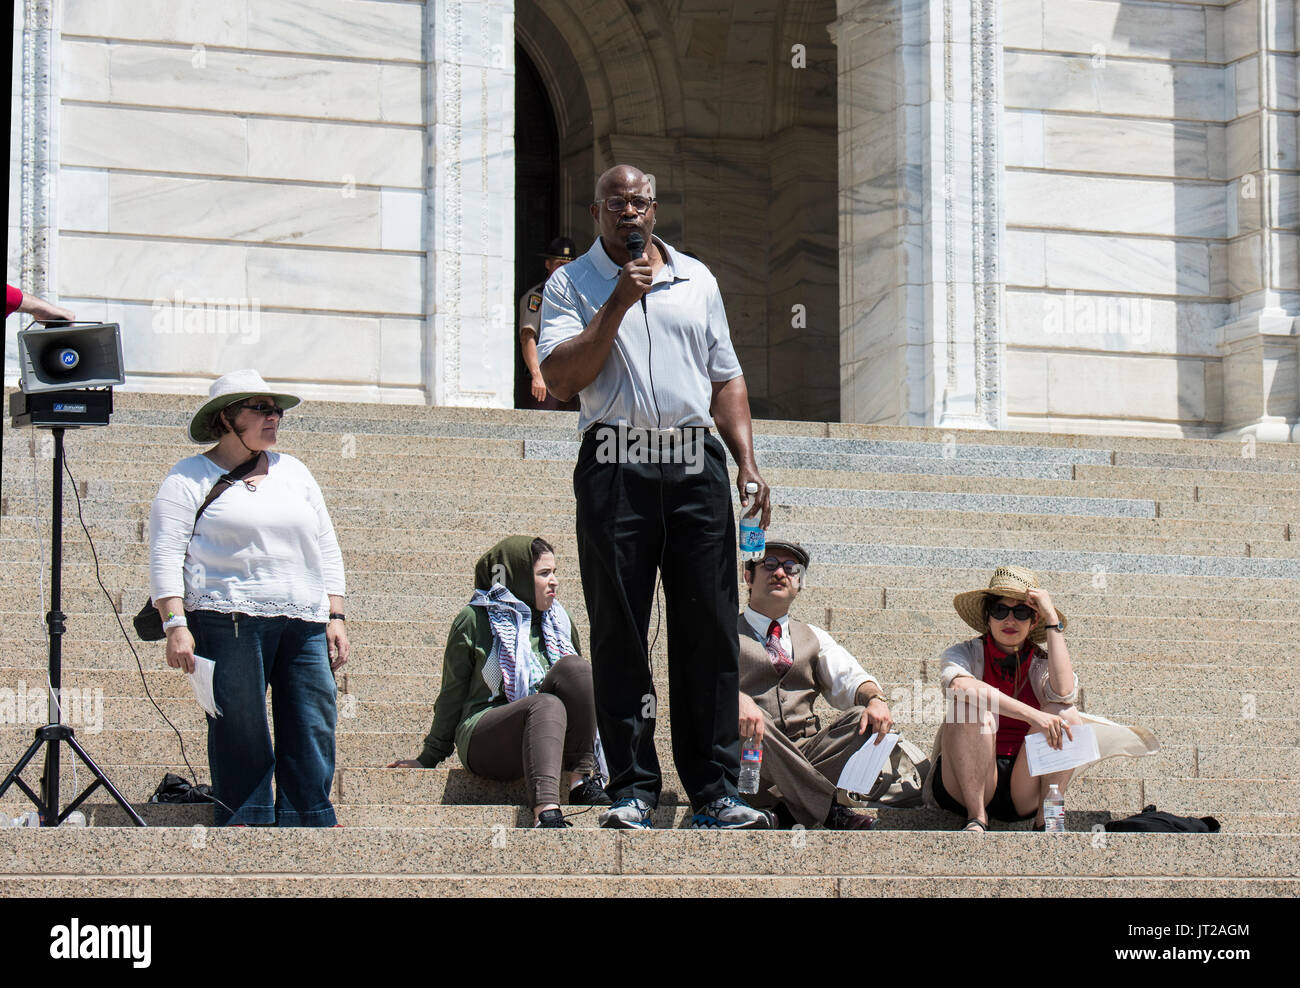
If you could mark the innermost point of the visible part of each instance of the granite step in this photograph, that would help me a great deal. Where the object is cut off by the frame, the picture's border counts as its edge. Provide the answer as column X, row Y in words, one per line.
column 388, row 686
column 430, row 615
column 836, row 589
column 361, row 713
column 371, row 783
column 395, row 649
column 829, row 556
column 175, row 411
column 665, row 817
column 639, row 887
column 404, row 531
column 114, row 499
column 477, row 851
column 848, row 588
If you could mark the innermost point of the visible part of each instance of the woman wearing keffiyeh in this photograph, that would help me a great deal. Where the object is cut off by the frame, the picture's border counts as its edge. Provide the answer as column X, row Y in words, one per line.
column 516, row 697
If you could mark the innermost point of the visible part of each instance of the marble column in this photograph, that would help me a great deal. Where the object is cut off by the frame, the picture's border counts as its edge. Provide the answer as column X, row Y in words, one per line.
column 469, row 218
column 1261, row 345
column 920, row 178
column 36, row 148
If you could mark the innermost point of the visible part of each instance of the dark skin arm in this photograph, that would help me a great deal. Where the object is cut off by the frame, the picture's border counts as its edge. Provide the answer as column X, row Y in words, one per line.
column 730, row 411
column 575, row 363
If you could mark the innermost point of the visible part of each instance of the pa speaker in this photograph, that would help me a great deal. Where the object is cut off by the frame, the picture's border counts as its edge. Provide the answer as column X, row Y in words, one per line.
column 70, row 355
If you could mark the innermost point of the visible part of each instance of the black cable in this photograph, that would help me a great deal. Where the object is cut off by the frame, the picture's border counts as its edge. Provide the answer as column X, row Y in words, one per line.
column 131, row 645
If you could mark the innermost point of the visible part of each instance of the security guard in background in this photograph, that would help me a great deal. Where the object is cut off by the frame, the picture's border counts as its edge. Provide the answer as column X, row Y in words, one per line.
column 561, row 251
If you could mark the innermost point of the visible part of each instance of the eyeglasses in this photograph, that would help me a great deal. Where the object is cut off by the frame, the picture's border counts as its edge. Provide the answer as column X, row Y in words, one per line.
column 616, row 204
column 792, row 568
column 1023, row 612
column 262, row 408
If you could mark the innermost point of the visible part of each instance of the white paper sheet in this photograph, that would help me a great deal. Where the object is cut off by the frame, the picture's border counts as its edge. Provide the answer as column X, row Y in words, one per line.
column 201, row 680
column 1044, row 759
column 863, row 769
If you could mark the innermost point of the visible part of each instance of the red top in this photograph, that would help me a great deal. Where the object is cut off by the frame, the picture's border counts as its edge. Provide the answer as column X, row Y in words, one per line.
column 1011, row 732
column 13, row 299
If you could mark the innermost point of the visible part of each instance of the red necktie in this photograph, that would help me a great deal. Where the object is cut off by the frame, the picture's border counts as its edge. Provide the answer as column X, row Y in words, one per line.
column 780, row 659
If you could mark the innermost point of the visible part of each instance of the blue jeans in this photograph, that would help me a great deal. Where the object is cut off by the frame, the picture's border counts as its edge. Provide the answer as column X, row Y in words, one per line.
column 291, row 657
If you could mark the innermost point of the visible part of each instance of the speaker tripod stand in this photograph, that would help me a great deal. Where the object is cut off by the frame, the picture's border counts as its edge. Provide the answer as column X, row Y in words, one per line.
column 56, row 733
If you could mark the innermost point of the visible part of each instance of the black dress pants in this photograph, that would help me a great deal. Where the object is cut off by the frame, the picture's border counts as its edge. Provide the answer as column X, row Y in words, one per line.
column 630, row 516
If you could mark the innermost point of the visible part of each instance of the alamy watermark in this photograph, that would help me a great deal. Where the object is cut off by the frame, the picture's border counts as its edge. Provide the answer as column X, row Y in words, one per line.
column 921, row 704
column 629, row 444
column 179, row 315
column 1084, row 315
column 78, row 708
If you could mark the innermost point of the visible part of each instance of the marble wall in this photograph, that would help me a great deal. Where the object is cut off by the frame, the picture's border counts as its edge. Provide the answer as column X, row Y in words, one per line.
column 292, row 185
column 1138, row 261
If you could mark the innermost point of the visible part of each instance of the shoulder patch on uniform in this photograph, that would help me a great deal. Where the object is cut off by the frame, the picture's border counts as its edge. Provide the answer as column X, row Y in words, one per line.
column 534, row 302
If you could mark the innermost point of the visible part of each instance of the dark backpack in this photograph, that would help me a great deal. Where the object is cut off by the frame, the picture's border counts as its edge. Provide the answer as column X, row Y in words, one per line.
column 177, row 789
column 1152, row 821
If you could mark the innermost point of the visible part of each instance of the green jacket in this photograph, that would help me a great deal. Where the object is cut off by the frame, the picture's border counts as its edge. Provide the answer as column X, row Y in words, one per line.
column 465, row 696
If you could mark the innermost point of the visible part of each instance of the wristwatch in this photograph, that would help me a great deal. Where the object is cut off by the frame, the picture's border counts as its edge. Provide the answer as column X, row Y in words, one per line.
column 334, row 616
column 1059, row 626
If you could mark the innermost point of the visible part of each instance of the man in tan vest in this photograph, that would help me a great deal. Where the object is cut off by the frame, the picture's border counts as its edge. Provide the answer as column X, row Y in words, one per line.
column 784, row 666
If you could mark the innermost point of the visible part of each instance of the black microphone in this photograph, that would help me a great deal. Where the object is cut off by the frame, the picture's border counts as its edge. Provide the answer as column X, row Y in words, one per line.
column 635, row 248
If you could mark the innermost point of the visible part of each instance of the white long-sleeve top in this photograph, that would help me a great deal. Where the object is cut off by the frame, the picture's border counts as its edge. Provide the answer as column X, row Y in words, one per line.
column 835, row 665
column 267, row 552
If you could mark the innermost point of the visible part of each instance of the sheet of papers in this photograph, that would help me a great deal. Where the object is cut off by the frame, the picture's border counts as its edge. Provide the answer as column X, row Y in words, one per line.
column 201, row 680
column 1044, row 759
column 863, row 769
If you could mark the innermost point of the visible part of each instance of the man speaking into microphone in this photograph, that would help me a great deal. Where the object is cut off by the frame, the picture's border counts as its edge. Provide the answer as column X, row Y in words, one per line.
column 637, row 330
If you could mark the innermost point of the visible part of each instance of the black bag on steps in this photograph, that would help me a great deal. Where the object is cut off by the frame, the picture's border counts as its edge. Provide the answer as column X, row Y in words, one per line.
column 1152, row 821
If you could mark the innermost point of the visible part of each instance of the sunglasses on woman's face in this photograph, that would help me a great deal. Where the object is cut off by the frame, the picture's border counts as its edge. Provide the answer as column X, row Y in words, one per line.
column 262, row 408
column 1023, row 612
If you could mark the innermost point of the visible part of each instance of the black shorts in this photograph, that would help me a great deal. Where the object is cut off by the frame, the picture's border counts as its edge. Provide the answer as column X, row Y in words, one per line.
column 1001, row 806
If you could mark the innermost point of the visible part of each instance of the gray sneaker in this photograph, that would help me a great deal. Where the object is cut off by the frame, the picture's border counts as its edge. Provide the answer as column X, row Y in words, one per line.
column 731, row 813
column 627, row 813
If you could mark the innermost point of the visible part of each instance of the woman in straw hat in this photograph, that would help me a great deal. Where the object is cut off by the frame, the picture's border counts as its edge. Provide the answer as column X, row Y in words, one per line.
column 256, row 585
column 1005, row 685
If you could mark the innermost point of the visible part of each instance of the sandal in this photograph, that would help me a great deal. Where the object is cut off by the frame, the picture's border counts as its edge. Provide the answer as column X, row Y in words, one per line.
column 974, row 826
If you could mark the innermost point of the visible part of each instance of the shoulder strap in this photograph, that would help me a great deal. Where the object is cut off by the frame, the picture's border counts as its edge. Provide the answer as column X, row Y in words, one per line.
column 227, row 481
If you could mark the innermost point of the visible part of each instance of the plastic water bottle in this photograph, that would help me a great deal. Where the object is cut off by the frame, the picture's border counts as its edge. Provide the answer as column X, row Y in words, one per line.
column 1054, row 811
column 751, row 765
column 753, row 543
column 75, row 819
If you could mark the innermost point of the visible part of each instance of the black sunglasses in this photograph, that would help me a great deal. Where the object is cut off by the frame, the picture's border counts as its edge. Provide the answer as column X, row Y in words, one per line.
column 1023, row 612
column 262, row 408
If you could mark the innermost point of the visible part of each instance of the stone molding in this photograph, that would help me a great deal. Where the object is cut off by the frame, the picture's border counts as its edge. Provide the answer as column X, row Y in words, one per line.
column 460, row 148
column 39, row 150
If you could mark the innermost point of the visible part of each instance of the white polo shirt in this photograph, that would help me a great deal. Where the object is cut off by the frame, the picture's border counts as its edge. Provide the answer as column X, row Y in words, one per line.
column 665, row 359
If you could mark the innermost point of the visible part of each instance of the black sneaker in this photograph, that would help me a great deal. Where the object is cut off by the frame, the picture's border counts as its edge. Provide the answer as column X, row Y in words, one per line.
column 551, row 819
column 589, row 792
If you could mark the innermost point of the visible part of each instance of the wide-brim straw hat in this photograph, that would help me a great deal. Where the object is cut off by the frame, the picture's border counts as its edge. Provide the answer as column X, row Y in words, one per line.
column 1014, row 582
column 236, row 386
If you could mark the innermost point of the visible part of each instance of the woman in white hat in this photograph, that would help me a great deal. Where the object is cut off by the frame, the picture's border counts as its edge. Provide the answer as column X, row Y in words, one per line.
column 1003, row 685
column 256, row 585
